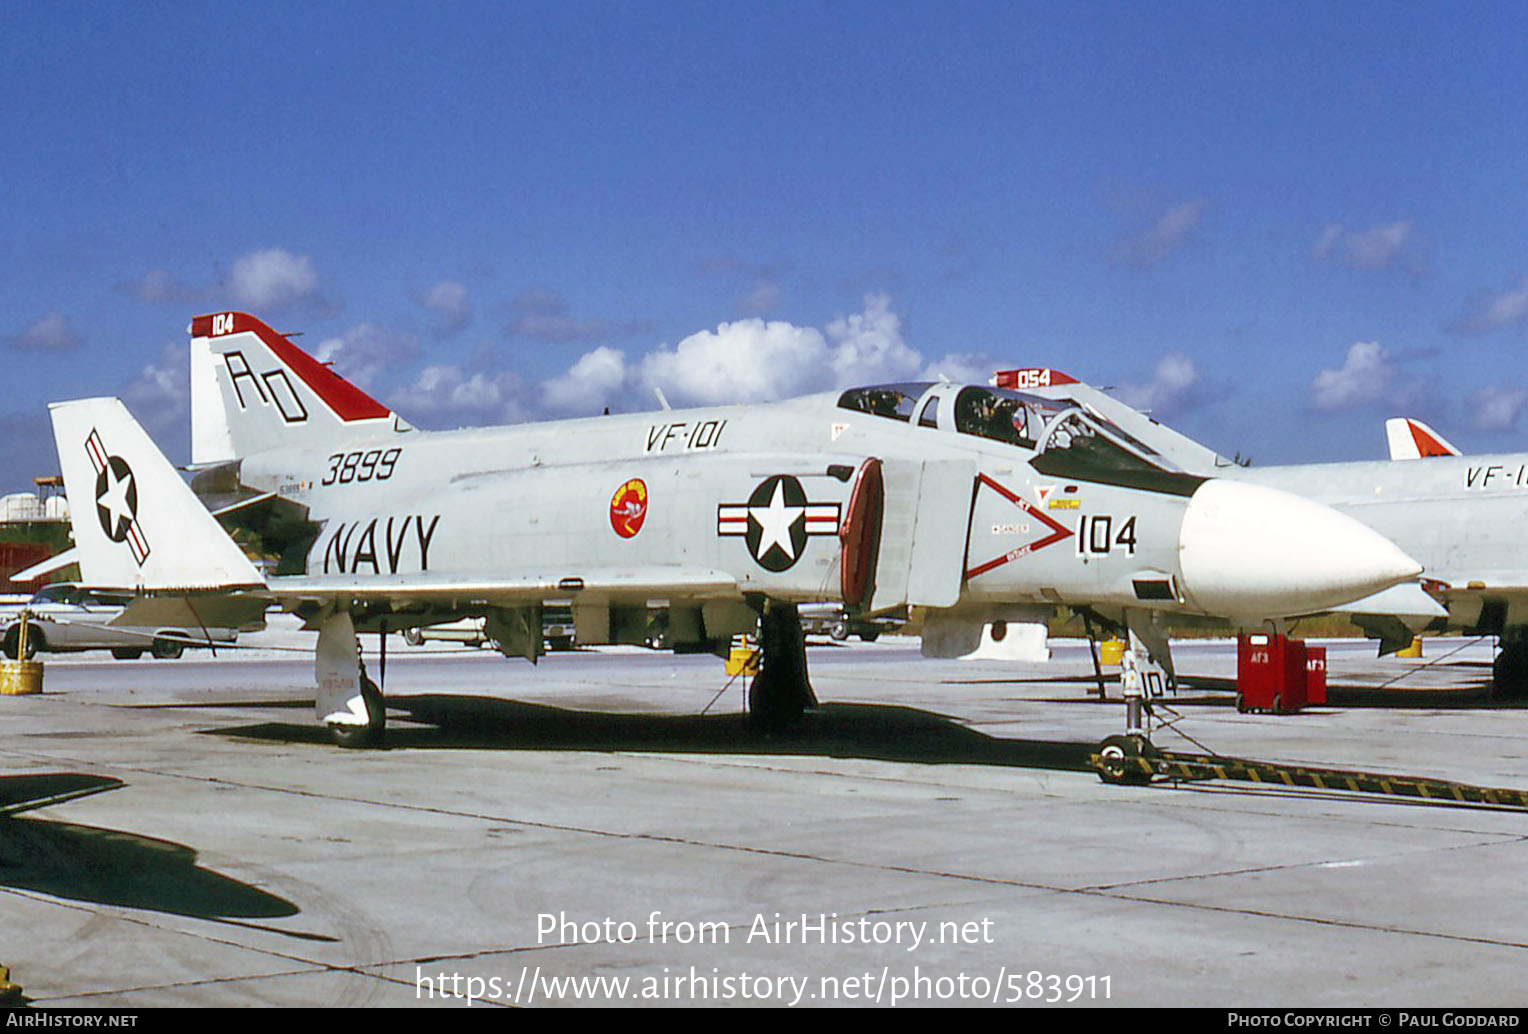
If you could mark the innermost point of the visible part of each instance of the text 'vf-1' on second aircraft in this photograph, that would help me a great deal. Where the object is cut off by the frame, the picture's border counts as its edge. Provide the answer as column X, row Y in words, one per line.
column 975, row 503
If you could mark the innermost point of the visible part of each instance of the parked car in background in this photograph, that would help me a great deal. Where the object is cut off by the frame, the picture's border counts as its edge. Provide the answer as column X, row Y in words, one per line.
column 66, row 618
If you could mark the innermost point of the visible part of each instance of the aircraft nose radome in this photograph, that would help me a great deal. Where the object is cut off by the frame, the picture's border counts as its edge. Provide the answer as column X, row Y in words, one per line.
column 1256, row 552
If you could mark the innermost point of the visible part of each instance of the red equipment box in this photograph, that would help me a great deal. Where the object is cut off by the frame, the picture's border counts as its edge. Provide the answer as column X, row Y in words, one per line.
column 1315, row 674
column 1271, row 673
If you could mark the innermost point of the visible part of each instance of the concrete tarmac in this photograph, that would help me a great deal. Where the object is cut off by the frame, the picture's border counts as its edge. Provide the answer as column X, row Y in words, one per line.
column 605, row 829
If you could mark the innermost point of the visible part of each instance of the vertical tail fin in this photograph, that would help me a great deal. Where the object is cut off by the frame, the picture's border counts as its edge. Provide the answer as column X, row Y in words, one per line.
column 1413, row 440
column 137, row 525
column 252, row 389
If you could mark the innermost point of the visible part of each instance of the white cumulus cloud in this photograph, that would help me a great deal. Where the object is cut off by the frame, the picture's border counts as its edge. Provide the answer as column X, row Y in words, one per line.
column 744, row 361
column 1384, row 246
column 592, row 383
column 450, row 304
column 868, row 346
column 1364, row 377
column 364, row 352
column 446, row 395
column 274, row 280
column 1508, row 308
column 1160, row 235
column 50, row 333
column 1172, row 387
column 747, row 360
column 160, row 396
column 1495, row 407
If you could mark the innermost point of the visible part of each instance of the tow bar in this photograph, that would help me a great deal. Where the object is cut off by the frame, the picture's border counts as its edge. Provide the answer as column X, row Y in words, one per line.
column 1133, row 760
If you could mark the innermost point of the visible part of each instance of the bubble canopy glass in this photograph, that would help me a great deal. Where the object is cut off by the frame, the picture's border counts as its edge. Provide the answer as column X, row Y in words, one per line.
column 1066, row 439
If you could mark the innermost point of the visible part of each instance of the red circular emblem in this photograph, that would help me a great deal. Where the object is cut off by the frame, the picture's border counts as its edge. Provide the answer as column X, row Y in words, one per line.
column 628, row 508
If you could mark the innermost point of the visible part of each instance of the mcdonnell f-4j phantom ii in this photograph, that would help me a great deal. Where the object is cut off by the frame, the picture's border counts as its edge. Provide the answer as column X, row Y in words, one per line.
column 1464, row 517
column 969, row 501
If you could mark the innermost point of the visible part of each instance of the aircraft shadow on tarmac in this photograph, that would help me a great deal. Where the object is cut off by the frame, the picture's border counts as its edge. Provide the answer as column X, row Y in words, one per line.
column 111, row 867
column 877, row 732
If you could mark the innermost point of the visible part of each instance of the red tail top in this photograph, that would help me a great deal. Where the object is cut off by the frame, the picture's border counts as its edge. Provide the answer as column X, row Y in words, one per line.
column 346, row 400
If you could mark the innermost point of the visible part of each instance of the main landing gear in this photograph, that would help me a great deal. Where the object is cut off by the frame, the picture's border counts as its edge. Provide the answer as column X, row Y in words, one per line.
column 1509, row 672
column 347, row 701
column 369, row 734
column 781, row 692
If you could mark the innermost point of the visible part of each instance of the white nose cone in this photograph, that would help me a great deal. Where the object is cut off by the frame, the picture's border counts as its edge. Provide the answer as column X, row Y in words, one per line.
column 1253, row 552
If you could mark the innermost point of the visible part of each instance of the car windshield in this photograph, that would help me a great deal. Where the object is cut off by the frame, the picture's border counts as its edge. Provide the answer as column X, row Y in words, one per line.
column 55, row 594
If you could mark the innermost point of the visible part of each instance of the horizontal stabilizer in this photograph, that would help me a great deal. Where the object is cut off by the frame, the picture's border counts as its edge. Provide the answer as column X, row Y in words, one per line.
column 241, row 611
column 48, row 566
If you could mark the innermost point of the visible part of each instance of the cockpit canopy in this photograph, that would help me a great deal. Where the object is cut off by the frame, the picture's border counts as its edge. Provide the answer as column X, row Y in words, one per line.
column 889, row 400
column 1067, row 439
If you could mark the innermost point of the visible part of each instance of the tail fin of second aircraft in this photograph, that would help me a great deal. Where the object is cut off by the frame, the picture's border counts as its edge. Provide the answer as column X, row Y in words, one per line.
column 252, row 389
column 137, row 524
column 1413, row 440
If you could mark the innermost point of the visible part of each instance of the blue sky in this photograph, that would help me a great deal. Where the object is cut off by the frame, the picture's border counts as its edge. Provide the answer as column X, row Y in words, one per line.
column 1273, row 224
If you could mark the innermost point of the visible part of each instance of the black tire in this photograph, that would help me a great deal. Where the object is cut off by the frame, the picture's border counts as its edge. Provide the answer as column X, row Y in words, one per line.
column 870, row 635
column 35, row 642
column 1122, row 756
column 167, row 649
column 839, row 631
column 413, row 636
column 358, row 737
column 560, row 643
column 1509, row 673
column 127, row 653
column 782, row 691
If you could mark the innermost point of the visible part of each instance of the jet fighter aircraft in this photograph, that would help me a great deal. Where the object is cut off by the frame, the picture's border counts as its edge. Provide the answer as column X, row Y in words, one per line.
column 973, row 502
column 1464, row 517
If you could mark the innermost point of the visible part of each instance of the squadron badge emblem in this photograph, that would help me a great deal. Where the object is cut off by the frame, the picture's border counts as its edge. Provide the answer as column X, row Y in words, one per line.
column 628, row 508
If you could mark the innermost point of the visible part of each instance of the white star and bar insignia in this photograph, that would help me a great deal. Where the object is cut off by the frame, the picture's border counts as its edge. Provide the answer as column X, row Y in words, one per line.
column 776, row 521
column 116, row 496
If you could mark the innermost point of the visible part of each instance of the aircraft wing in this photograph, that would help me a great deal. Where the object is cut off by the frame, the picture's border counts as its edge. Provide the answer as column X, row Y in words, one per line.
column 635, row 584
